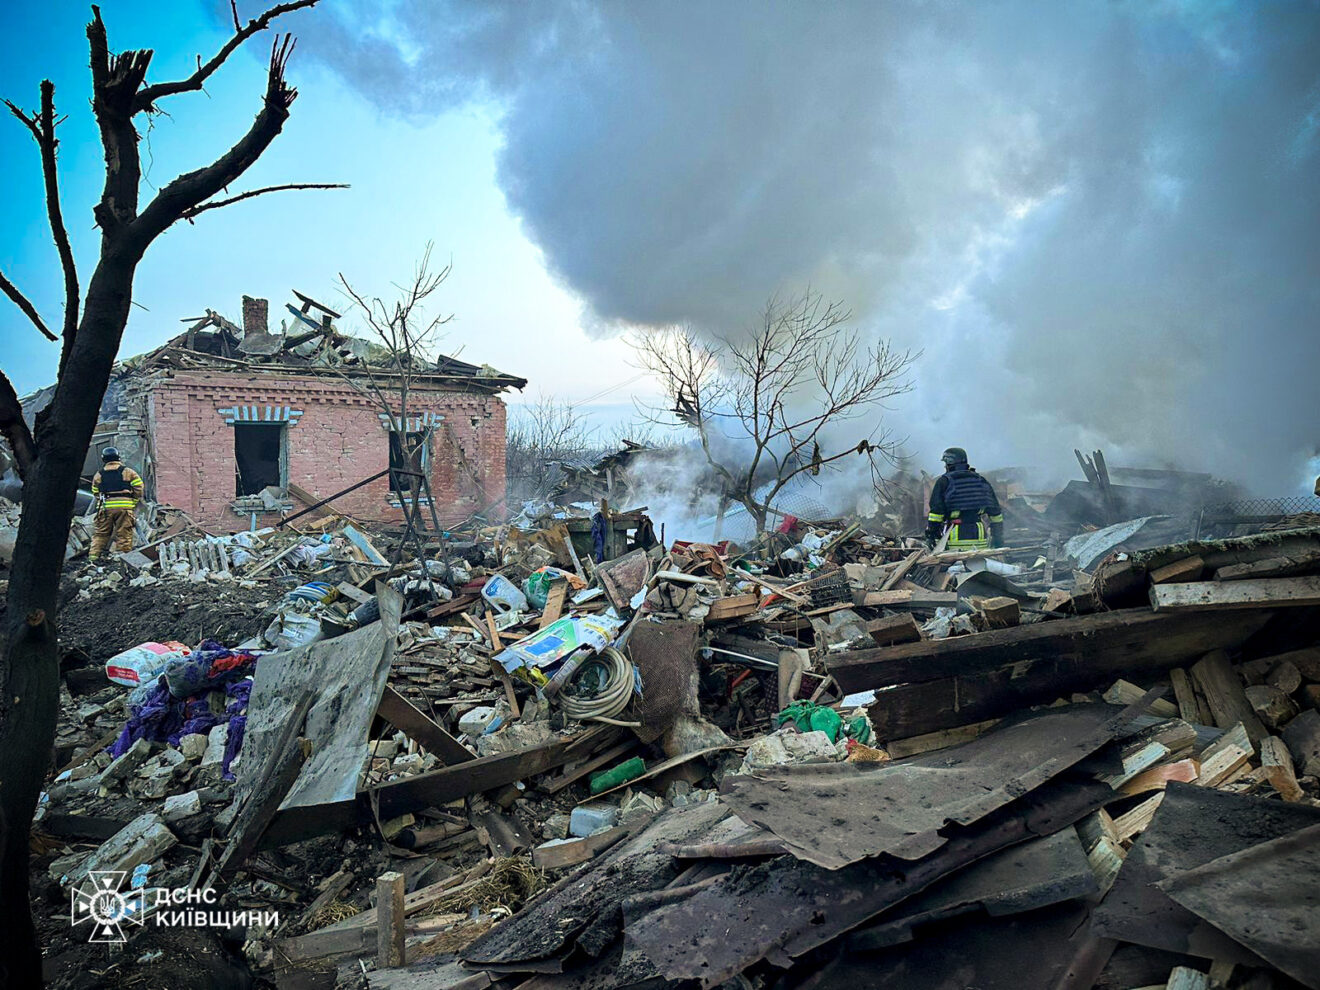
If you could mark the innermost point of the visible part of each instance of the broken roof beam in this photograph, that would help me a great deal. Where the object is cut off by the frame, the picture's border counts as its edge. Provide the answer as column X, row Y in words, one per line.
column 400, row 797
column 1107, row 643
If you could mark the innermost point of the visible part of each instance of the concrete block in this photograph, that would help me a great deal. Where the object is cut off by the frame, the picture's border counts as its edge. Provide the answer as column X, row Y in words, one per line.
column 179, row 806
column 589, row 818
column 193, row 746
column 128, row 763
column 142, row 840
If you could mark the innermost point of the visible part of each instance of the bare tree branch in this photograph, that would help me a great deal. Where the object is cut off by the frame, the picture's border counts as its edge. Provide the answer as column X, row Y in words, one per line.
column 14, row 428
column 191, row 189
column 21, row 301
column 42, row 125
column 775, row 392
column 148, row 95
column 215, row 204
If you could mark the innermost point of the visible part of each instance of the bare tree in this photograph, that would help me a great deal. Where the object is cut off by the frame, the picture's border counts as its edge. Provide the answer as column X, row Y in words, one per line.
column 540, row 434
column 763, row 403
column 409, row 335
column 50, row 456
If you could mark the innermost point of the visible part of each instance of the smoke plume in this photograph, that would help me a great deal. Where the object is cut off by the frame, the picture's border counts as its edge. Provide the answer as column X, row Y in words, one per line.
column 1098, row 219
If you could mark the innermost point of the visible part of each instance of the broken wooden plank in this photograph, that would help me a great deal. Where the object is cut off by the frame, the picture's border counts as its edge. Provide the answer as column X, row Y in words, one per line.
column 1224, row 757
column 892, row 629
column 1107, row 644
column 908, row 598
column 1124, row 693
column 563, row 854
column 1190, row 707
column 554, row 603
column 1129, row 824
column 1270, row 567
column 410, row 794
column 400, row 712
column 1219, row 683
column 1158, row 777
column 1001, row 612
column 1106, row 859
column 353, row 592
column 1187, row 569
column 1259, row 593
column 732, row 607
column 1277, row 763
column 901, row 571
column 389, row 920
column 929, row 741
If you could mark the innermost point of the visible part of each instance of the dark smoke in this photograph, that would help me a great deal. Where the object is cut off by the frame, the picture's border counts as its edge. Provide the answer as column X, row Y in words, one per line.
column 1099, row 219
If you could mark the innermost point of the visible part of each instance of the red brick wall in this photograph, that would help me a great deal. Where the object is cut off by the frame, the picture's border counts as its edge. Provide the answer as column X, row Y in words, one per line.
column 337, row 441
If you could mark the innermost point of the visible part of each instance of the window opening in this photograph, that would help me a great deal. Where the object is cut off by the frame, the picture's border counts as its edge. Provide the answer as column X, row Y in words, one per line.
column 258, row 457
column 414, row 442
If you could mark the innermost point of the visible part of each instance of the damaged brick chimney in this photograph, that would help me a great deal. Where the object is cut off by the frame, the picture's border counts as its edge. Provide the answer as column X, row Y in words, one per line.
column 256, row 315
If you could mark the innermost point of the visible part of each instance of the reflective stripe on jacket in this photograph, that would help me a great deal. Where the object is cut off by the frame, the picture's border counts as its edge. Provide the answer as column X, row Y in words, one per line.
column 119, row 484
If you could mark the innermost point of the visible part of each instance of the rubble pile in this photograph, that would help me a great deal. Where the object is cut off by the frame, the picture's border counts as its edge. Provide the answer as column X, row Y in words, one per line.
column 563, row 752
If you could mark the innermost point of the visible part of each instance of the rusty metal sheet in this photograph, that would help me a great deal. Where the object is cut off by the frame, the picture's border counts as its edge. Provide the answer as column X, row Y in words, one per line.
column 783, row 908
column 1266, row 897
column 1193, row 826
column 1021, row 878
column 583, row 910
column 839, row 813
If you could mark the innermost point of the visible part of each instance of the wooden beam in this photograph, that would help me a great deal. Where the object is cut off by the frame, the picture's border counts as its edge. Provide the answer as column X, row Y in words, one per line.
column 389, row 923
column 1224, row 694
column 1224, row 757
column 1259, row 593
column 907, row 598
column 410, row 794
column 901, row 571
column 1281, row 566
column 1001, row 612
column 1187, row 569
column 571, row 853
column 554, row 603
column 892, row 629
column 587, row 766
column 1277, row 763
column 1108, row 643
column 401, row 713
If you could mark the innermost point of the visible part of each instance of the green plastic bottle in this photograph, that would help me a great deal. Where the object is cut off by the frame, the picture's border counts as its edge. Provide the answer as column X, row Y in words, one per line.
column 624, row 772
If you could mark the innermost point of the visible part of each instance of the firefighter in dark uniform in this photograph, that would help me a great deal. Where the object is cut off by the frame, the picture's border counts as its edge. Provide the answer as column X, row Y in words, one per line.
column 965, row 505
column 118, row 489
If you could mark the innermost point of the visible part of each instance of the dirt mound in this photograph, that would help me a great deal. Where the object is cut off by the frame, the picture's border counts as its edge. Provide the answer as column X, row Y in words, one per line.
column 107, row 621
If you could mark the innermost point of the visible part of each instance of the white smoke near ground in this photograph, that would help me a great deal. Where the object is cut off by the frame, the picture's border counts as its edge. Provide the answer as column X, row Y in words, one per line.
column 1098, row 219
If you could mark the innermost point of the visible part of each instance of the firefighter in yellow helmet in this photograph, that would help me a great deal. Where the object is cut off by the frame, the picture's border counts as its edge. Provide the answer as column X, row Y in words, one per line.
column 118, row 489
column 964, row 504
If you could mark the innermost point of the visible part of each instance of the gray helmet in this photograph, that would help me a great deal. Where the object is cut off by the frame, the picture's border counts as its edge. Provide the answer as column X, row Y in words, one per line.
column 954, row 455
column 110, row 454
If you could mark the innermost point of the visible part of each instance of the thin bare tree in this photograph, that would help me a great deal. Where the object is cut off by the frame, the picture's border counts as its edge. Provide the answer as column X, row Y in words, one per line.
column 50, row 455
column 540, row 434
column 409, row 334
column 763, row 403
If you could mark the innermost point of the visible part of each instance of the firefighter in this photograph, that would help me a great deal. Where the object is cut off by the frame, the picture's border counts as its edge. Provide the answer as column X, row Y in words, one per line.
column 118, row 489
column 963, row 503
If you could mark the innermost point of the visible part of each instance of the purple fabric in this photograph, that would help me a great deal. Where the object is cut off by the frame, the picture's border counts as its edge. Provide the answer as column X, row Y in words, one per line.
column 238, row 693
column 198, row 718
column 154, row 720
column 165, row 718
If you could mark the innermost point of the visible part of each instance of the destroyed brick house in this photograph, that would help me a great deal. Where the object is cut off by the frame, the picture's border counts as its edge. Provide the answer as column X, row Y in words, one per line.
column 236, row 426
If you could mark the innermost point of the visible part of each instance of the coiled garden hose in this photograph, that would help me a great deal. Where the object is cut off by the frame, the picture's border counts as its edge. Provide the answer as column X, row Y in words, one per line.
column 613, row 696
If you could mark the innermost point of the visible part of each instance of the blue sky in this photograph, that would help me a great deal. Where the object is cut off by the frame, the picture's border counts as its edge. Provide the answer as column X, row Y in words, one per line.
column 411, row 183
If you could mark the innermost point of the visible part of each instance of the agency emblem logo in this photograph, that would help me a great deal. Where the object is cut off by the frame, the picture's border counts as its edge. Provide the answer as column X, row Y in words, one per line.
column 101, row 902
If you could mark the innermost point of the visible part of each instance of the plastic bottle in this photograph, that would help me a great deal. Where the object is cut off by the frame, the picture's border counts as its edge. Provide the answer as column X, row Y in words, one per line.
column 624, row 772
column 503, row 594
